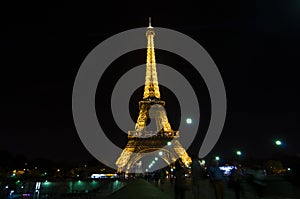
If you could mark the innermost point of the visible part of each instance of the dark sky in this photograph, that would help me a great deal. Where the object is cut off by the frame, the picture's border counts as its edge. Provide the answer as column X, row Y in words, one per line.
column 255, row 46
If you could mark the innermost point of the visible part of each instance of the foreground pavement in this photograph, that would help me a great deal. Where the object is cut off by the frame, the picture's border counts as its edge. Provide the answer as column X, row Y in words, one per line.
column 141, row 188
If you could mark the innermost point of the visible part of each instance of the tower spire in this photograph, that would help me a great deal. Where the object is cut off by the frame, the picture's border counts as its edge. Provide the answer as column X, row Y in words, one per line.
column 150, row 22
column 151, row 89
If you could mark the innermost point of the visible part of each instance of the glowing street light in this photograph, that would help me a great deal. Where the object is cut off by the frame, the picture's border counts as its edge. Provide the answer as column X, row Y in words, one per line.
column 278, row 142
column 202, row 162
column 189, row 120
column 217, row 158
column 239, row 153
column 169, row 143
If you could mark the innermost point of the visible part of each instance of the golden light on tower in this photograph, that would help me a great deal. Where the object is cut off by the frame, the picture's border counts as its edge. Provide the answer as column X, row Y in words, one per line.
column 151, row 89
column 144, row 138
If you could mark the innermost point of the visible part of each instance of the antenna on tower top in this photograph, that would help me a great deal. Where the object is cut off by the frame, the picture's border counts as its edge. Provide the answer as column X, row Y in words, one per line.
column 150, row 22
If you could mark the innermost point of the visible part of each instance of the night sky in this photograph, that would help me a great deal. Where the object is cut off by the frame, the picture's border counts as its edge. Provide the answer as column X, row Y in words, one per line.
column 255, row 46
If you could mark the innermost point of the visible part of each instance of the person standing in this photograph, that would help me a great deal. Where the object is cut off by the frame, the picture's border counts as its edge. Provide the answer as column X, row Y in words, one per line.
column 217, row 179
column 156, row 177
column 179, row 184
column 198, row 176
column 235, row 180
column 259, row 181
column 162, row 179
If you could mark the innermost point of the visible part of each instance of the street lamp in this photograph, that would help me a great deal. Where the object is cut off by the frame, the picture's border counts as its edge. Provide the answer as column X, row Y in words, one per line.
column 239, row 153
column 217, row 158
column 189, row 121
column 278, row 142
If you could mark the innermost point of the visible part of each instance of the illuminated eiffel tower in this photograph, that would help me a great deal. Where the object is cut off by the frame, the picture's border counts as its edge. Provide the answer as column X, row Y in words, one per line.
column 147, row 138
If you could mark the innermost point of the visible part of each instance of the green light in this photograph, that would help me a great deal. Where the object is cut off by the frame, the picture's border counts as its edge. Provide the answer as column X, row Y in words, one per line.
column 217, row 158
column 79, row 183
column 278, row 142
column 47, row 183
column 238, row 152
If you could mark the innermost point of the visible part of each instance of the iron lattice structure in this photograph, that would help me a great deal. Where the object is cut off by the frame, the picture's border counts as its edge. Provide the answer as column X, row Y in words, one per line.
column 154, row 137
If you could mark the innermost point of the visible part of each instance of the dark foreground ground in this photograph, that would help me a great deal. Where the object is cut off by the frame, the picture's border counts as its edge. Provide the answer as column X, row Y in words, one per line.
column 277, row 188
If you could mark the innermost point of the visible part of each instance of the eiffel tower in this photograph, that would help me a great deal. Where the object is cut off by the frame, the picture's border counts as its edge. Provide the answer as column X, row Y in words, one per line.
column 149, row 137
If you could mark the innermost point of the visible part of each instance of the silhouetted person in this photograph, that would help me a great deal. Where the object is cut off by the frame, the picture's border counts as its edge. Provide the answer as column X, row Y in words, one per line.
column 216, row 176
column 156, row 177
column 259, row 181
column 179, row 184
column 198, row 176
column 147, row 177
column 235, row 180
column 162, row 179
column 171, row 178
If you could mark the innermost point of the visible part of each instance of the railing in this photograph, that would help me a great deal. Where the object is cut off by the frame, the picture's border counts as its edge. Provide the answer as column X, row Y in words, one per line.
column 148, row 134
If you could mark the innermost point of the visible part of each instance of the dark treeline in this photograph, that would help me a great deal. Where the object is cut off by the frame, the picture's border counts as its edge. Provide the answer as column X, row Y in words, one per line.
column 9, row 161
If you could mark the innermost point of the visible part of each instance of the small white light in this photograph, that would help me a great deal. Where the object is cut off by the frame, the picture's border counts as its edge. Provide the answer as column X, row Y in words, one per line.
column 160, row 153
column 169, row 143
column 189, row 121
